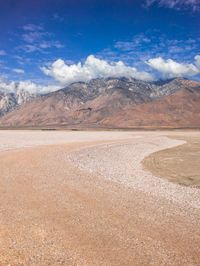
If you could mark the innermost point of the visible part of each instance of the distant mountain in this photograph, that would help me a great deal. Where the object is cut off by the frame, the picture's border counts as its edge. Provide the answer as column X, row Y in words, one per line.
column 111, row 102
column 10, row 100
column 178, row 110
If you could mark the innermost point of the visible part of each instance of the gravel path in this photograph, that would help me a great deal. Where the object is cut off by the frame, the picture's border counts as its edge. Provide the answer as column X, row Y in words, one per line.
column 122, row 163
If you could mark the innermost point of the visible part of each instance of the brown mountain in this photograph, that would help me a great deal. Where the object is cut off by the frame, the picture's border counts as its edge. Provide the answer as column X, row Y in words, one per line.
column 118, row 103
column 179, row 110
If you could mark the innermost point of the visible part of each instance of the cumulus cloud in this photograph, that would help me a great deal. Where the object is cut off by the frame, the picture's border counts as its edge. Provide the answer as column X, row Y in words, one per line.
column 153, row 43
column 7, row 86
column 27, row 85
column 35, row 88
column 170, row 68
column 90, row 69
column 18, row 70
column 194, row 5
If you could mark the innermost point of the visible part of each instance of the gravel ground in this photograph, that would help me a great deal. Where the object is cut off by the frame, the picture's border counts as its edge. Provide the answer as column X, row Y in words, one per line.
column 122, row 163
column 85, row 200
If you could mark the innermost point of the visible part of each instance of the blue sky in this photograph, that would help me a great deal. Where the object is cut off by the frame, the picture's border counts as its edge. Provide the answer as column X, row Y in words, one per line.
column 43, row 41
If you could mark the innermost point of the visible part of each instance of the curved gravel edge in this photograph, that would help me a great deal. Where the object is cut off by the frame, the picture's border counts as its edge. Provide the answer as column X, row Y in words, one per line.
column 121, row 163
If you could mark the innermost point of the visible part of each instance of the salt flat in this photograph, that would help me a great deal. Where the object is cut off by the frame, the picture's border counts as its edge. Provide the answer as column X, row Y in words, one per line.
column 84, row 198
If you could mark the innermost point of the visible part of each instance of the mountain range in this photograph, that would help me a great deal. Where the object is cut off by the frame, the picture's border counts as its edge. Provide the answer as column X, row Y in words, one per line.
column 106, row 103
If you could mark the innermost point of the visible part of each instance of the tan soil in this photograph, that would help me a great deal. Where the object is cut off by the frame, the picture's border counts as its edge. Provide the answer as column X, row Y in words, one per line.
column 54, row 213
column 180, row 164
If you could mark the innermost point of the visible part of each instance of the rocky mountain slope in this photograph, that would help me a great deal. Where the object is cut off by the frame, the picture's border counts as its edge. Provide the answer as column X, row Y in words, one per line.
column 178, row 110
column 10, row 100
column 112, row 102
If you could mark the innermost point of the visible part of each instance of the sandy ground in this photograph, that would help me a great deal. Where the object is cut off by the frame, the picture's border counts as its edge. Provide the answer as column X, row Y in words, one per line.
column 10, row 140
column 83, row 198
column 180, row 164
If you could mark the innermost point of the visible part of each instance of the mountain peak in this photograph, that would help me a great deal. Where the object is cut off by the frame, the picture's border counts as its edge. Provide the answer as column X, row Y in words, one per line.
column 103, row 101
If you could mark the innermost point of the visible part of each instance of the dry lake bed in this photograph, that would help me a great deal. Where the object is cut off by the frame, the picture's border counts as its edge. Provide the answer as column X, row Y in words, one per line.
column 99, row 198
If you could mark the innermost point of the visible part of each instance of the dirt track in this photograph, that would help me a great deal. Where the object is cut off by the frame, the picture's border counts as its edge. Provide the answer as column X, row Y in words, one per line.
column 56, row 212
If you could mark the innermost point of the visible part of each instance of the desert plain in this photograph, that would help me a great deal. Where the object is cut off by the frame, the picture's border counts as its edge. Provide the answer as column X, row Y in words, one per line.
column 99, row 197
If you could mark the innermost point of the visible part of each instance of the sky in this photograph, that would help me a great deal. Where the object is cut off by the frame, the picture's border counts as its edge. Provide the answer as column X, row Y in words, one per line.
column 48, row 44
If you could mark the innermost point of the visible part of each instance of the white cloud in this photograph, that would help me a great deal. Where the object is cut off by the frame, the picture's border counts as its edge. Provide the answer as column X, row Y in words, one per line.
column 48, row 44
column 33, row 36
column 170, row 68
column 35, row 88
column 194, row 5
column 90, row 69
column 29, row 48
column 2, row 52
column 36, row 39
column 40, row 46
column 197, row 61
column 32, row 27
column 27, row 85
column 7, row 86
column 18, row 70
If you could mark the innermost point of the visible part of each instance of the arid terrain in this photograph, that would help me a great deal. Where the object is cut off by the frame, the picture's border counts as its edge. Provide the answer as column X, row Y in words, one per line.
column 99, row 198
column 107, row 103
column 180, row 164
